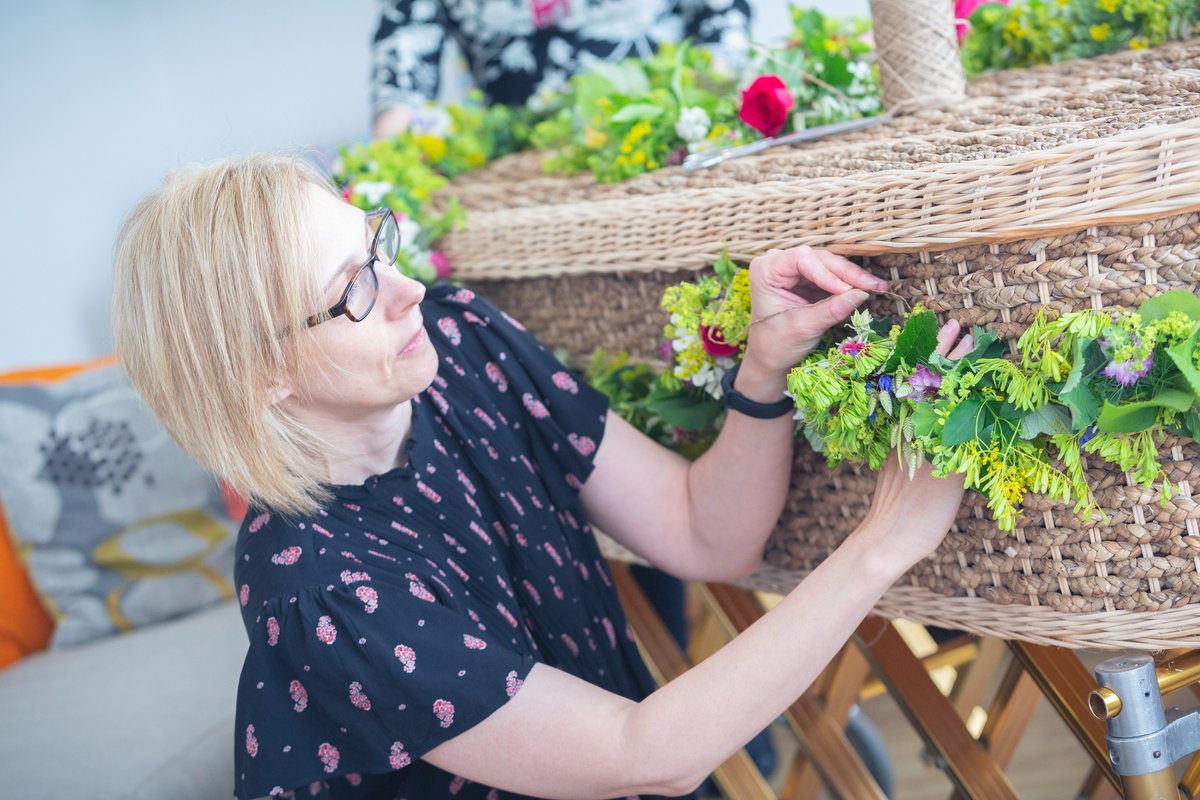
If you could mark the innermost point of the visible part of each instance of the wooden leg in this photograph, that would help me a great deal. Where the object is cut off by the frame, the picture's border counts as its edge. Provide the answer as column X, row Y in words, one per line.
column 738, row 778
column 822, row 737
column 972, row 771
column 972, row 685
column 1009, row 714
column 1065, row 682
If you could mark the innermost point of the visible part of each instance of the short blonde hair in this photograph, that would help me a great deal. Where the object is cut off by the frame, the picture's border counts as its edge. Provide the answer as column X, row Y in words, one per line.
column 210, row 270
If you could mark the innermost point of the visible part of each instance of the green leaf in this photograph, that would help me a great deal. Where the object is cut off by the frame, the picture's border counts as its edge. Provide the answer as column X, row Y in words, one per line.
column 689, row 409
column 1188, row 425
column 725, row 268
column 1082, row 355
column 635, row 112
column 1183, row 354
column 916, row 342
column 986, row 345
column 963, row 424
column 677, row 75
column 815, row 439
column 1174, row 300
column 626, row 77
column 1083, row 405
column 1134, row 417
column 1049, row 419
column 924, row 419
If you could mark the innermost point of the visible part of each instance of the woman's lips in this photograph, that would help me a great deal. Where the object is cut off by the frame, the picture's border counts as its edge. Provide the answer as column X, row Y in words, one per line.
column 413, row 343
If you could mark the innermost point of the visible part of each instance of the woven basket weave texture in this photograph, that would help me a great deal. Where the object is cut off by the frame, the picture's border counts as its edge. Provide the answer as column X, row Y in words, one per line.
column 1081, row 118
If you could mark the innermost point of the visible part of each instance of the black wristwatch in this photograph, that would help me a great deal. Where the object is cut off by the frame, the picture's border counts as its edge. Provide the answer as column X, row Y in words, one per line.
column 735, row 400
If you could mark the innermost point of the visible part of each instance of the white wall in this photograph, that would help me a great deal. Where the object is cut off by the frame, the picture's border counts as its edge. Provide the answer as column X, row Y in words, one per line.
column 99, row 98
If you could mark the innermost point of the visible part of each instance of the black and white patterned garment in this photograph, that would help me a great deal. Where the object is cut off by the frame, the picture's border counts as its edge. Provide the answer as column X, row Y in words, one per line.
column 517, row 49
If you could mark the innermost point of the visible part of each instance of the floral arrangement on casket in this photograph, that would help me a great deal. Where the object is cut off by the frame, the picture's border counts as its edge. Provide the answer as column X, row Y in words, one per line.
column 1107, row 382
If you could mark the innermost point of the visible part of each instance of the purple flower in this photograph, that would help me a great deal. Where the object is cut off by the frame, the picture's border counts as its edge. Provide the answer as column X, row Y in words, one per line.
column 667, row 352
column 1127, row 373
column 924, row 382
column 852, row 347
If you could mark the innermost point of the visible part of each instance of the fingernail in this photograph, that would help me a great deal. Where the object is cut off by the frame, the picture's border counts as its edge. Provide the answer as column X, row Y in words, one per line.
column 857, row 296
column 967, row 340
column 882, row 285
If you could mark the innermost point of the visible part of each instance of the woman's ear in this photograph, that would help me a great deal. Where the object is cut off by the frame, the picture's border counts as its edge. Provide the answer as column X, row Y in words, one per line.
column 277, row 392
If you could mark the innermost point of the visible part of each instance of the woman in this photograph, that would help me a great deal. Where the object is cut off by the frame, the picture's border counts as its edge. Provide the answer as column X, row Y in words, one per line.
column 428, row 613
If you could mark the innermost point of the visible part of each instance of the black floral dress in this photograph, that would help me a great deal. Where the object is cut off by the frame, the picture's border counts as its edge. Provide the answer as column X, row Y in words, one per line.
column 516, row 49
column 415, row 604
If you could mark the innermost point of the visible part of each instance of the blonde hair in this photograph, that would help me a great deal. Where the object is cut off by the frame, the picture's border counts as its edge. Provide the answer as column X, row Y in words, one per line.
column 210, row 273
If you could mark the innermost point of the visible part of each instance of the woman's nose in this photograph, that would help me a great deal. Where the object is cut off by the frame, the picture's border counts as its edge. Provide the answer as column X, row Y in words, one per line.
column 398, row 293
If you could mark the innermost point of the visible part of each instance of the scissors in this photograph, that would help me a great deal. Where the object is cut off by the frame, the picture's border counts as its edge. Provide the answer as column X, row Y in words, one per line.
column 710, row 158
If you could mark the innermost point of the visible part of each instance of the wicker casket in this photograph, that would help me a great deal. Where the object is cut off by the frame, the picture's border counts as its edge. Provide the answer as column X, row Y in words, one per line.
column 1073, row 186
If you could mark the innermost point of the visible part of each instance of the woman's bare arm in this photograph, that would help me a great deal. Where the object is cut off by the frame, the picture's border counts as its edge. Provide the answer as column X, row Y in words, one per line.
column 563, row 737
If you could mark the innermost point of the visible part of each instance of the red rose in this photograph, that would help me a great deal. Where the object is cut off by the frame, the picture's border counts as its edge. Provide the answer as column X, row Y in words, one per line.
column 714, row 343
column 765, row 104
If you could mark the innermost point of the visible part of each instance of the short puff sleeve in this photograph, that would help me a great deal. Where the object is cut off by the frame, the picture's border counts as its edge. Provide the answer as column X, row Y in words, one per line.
column 565, row 415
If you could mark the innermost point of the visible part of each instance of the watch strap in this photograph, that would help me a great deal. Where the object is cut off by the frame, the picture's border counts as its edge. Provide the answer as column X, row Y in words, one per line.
column 736, row 401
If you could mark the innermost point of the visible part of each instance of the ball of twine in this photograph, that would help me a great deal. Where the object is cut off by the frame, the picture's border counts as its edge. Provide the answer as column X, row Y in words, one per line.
column 917, row 49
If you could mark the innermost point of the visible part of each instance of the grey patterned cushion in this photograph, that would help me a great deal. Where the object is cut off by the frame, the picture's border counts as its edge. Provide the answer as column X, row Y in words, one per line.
column 118, row 528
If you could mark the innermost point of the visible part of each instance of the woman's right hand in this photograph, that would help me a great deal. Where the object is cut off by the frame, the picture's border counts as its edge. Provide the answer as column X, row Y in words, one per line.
column 909, row 518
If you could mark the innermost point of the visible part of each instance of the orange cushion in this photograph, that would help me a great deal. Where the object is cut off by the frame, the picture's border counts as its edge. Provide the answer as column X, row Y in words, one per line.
column 25, row 625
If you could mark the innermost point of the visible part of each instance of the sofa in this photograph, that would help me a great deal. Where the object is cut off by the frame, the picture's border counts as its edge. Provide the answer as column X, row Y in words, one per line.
column 120, row 634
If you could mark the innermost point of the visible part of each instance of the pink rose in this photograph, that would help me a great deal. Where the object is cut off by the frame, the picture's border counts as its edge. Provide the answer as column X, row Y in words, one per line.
column 963, row 9
column 438, row 259
column 713, row 340
column 765, row 104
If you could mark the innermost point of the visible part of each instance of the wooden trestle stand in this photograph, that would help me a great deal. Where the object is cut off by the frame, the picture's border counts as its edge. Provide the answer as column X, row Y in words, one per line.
column 879, row 657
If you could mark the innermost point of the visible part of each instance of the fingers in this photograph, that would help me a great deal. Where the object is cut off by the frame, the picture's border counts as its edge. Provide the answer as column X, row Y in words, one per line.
column 827, row 271
column 947, row 336
column 850, row 272
column 964, row 347
column 839, row 307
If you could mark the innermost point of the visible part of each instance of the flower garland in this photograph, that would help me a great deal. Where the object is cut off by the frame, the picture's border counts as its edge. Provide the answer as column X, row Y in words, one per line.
column 1000, row 35
column 1107, row 382
column 620, row 120
column 403, row 172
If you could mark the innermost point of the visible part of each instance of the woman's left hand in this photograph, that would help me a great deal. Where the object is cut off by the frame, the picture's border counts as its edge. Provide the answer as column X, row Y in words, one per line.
column 795, row 296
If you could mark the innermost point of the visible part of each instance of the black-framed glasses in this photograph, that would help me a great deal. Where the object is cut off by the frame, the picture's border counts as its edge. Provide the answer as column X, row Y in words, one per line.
column 359, row 298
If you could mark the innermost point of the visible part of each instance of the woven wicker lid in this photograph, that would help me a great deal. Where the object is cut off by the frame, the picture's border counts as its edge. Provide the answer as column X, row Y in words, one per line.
column 1006, row 113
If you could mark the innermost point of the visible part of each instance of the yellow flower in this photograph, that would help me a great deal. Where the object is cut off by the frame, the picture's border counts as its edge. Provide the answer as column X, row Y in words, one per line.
column 1110, row 6
column 1099, row 32
column 594, row 139
column 651, row 165
column 432, row 146
column 1014, row 29
column 639, row 131
column 476, row 158
column 830, row 46
column 639, row 157
column 1138, row 43
column 626, row 148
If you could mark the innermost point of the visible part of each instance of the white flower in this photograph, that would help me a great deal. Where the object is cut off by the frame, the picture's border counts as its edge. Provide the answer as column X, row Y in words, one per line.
column 408, row 230
column 431, row 119
column 693, row 124
column 861, row 70
column 372, row 191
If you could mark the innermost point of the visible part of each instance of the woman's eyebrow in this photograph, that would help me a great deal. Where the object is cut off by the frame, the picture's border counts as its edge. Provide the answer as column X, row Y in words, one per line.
column 354, row 260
